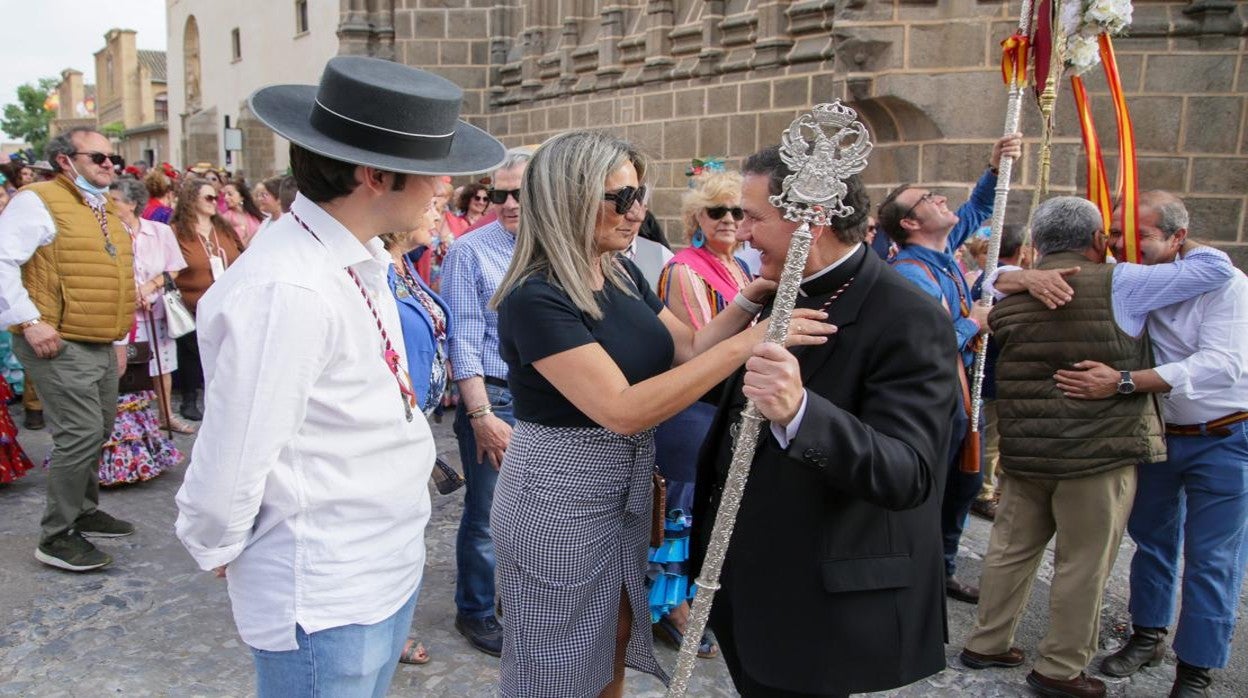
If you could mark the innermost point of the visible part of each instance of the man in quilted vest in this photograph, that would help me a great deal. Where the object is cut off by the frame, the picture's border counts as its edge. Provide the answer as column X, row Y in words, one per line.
column 67, row 295
column 1071, row 463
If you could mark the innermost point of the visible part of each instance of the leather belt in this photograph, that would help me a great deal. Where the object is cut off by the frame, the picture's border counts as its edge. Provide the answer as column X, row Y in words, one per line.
column 496, row 382
column 1217, row 427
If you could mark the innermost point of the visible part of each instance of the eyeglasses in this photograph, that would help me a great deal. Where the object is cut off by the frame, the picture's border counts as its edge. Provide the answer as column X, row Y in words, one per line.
column 481, row 197
column 211, row 198
column 926, row 197
column 718, row 212
column 625, row 197
column 499, row 196
column 98, row 157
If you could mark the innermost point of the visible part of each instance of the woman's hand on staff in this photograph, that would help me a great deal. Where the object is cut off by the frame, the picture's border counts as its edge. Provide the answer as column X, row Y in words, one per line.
column 806, row 327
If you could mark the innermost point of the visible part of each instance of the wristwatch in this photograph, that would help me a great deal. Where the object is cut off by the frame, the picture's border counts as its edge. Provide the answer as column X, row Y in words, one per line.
column 29, row 323
column 1126, row 386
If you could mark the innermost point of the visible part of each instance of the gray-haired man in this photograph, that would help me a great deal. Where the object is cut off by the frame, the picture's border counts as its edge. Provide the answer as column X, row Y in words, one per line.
column 1071, row 464
column 67, row 294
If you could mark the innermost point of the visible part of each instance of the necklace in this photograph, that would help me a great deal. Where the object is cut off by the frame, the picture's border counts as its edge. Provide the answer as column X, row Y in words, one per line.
column 102, row 218
column 388, row 354
column 837, row 294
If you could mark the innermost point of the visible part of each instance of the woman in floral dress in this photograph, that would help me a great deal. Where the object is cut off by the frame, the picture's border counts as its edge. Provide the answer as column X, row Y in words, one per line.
column 138, row 450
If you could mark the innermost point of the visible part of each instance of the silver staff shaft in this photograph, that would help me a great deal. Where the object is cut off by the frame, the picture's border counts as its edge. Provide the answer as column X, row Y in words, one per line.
column 738, row 471
column 1002, row 195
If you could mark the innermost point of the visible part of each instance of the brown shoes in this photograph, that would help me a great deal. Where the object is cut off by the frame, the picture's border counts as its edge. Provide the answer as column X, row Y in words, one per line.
column 1082, row 686
column 985, row 508
column 961, row 592
column 975, row 660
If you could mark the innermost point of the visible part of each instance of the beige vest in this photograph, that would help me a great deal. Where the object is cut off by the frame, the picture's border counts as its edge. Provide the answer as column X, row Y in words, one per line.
column 87, row 294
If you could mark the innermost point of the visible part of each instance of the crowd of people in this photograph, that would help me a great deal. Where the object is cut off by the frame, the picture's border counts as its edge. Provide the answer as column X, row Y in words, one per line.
column 585, row 361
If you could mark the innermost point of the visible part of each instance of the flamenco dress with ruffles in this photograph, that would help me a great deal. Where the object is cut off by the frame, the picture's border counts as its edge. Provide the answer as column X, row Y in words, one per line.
column 13, row 460
column 137, row 450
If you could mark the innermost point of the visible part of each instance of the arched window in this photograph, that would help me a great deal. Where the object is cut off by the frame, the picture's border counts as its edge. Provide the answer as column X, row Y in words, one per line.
column 190, row 62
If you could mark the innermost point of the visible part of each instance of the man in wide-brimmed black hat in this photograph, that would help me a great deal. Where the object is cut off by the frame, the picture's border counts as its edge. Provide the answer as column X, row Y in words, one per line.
column 309, row 476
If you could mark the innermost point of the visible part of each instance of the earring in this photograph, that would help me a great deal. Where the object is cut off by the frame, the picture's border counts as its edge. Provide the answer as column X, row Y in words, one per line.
column 698, row 239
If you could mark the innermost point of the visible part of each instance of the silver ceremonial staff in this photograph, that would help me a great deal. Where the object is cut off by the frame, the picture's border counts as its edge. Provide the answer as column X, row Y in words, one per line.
column 1006, row 168
column 822, row 148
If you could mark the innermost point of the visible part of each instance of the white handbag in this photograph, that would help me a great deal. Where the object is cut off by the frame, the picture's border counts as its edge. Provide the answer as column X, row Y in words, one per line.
column 178, row 319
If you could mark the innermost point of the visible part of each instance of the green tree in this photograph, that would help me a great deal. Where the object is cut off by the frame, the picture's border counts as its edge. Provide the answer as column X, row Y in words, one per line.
column 28, row 119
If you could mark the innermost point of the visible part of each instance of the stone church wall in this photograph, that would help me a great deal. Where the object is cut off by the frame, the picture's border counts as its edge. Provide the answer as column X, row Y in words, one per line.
column 698, row 78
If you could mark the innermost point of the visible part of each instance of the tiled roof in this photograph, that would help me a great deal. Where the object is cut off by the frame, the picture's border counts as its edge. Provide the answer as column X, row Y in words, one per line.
column 155, row 62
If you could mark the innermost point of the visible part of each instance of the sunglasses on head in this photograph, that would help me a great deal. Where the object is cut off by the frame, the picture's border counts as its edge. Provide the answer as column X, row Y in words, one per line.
column 99, row 158
column 625, row 197
column 499, row 196
column 718, row 212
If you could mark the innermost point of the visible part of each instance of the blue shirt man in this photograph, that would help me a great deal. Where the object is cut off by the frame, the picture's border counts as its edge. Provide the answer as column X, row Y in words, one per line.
column 928, row 232
column 474, row 267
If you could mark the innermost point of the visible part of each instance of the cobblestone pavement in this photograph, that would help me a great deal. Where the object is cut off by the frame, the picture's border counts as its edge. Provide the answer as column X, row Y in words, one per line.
column 154, row 625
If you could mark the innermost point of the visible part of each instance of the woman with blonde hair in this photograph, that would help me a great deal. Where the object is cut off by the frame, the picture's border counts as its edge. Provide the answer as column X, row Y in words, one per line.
column 703, row 278
column 590, row 352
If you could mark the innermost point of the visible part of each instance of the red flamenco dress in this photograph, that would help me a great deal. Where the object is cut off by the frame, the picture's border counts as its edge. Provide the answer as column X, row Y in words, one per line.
column 13, row 460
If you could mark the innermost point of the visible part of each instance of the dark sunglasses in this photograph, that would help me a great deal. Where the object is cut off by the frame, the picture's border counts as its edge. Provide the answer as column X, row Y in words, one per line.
column 99, row 158
column 625, row 197
column 718, row 212
column 926, row 197
column 211, row 198
column 481, row 197
column 499, row 196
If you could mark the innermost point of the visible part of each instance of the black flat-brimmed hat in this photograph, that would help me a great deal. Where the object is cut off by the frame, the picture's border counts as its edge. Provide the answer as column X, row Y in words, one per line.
column 382, row 114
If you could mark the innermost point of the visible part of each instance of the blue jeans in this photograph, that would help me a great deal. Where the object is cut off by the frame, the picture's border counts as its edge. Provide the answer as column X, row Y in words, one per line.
column 350, row 661
column 960, row 491
column 474, row 550
column 1195, row 502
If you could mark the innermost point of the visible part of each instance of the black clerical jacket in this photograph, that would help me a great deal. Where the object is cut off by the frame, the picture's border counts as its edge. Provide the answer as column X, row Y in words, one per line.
column 834, row 581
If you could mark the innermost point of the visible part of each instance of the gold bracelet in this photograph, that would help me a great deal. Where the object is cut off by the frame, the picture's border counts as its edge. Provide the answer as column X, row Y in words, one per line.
column 480, row 411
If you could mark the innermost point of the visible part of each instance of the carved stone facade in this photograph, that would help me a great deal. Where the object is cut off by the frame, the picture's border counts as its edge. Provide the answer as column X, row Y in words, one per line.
column 697, row 78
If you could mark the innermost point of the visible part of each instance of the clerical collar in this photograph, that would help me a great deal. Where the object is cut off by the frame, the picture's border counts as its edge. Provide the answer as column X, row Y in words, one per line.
column 828, row 269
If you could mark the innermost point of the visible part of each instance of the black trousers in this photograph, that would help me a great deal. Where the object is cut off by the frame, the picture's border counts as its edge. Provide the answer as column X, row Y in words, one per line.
column 721, row 623
column 190, row 374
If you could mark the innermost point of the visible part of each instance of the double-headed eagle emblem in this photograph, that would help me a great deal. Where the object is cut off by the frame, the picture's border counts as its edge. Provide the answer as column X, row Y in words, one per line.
column 823, row 148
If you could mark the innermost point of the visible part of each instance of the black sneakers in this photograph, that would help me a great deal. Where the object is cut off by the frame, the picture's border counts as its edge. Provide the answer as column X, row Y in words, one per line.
column 70, row 551
column 97, row 524
column 485, row 634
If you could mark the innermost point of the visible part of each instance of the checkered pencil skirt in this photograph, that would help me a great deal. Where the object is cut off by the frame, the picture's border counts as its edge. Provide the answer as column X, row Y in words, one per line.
column 570, row 523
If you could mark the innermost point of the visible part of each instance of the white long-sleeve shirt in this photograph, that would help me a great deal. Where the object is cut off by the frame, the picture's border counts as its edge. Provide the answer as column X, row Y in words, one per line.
column 1201, row 346
column 306, row 478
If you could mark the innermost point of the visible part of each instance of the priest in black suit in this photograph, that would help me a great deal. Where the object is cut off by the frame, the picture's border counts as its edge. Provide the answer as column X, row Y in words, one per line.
column 834, row 582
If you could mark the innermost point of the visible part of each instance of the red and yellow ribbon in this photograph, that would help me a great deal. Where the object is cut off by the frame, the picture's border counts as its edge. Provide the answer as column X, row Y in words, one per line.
column 1128, row 174
column 1014, row 60
column 1098, row 182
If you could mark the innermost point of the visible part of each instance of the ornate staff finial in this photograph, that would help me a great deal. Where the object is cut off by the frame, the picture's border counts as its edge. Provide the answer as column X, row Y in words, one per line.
column 823, row 148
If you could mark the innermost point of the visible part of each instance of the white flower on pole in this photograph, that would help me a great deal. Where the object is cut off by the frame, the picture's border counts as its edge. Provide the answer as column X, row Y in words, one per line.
column 1082, row 21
